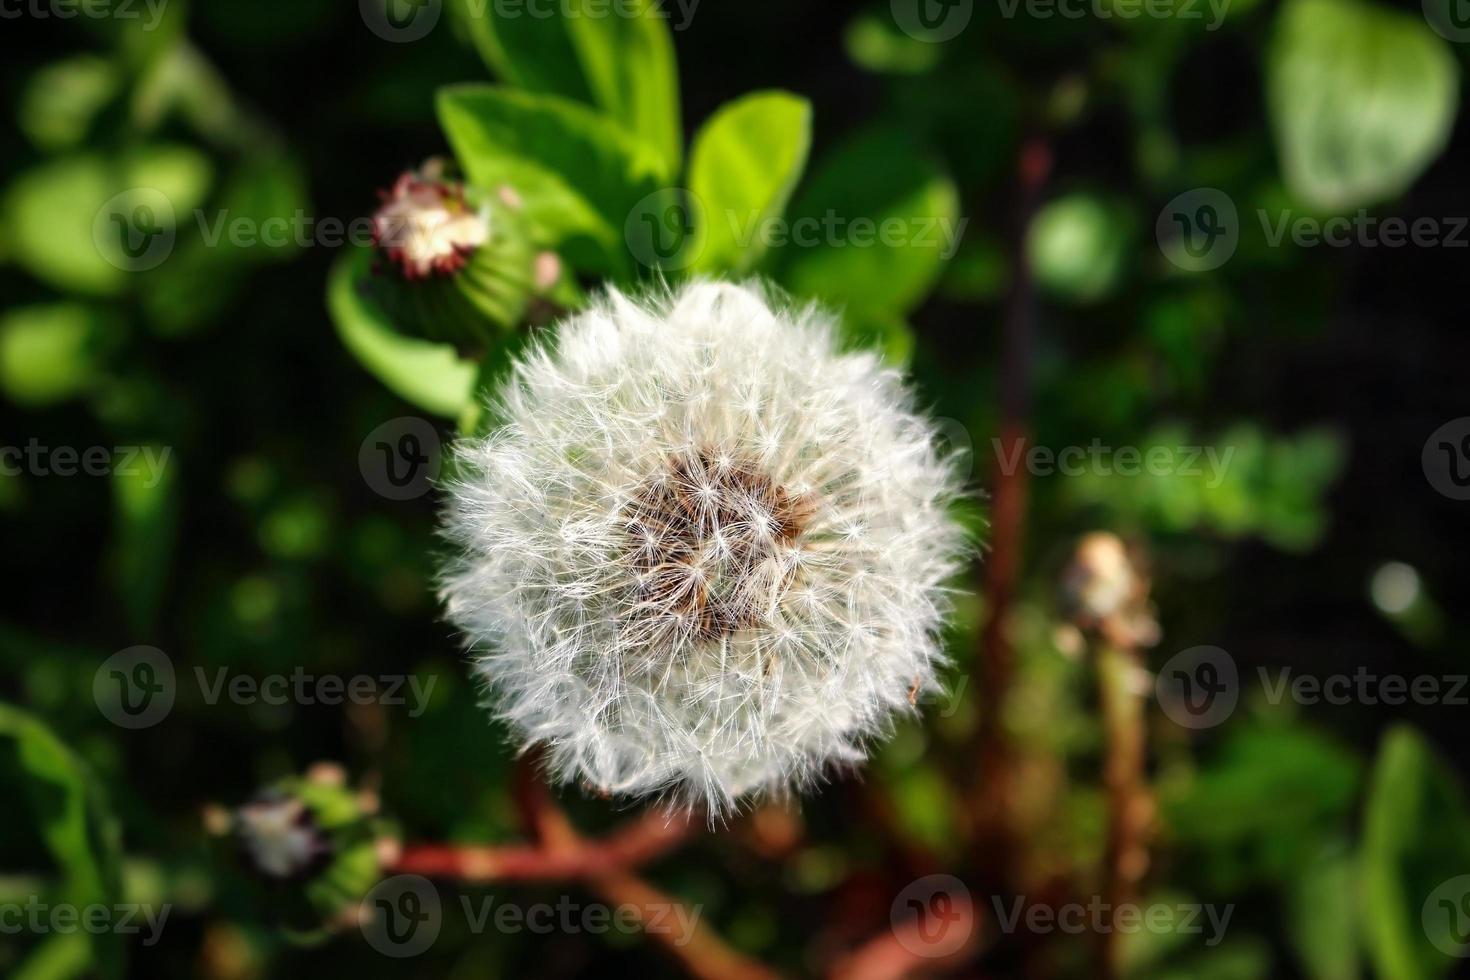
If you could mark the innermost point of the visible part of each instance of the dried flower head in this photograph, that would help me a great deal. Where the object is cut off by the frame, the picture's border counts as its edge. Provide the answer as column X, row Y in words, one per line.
column 705, row 552
column 459, row 261
column 280, row 835
column 426, row 228
column 1105, row 589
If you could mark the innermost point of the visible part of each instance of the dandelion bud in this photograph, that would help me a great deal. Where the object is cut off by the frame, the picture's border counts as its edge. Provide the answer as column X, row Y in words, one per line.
column 312, row 841
column 280, row 836
column 705, row 554
column 458, row 262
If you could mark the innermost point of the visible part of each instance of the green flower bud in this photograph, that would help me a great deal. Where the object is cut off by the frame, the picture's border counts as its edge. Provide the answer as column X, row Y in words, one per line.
column 458, row 263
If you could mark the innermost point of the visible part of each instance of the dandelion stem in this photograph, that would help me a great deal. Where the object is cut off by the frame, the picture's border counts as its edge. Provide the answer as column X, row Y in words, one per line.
column 1008, row 514
column 560, row 852
column 635, row 844
column 1128, row 804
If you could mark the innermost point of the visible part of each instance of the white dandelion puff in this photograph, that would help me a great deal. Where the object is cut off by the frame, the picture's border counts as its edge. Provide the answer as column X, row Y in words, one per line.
column 705, row 553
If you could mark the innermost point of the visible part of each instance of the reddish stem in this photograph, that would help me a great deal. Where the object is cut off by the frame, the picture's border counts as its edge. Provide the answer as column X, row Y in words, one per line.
column 908, row 949
column 562, row 853
column 635, row 844
column 1002, row 566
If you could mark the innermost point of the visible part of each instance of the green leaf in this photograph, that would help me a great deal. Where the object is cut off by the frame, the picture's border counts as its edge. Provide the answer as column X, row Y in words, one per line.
column 49, row 353
column 889, row 334
column 1322, row 918
column 61, row 100
column 874, row 41
column 620, row 59
column 77, row 829
column 1361, row 99
column 873, row 227
column 54, row 212
column 630, row 65
column 577, row 171
column 1259, row 805
column 49, row 213
column 1416, row 836
column 533, row 53
column 431, row 376
column 746, row 161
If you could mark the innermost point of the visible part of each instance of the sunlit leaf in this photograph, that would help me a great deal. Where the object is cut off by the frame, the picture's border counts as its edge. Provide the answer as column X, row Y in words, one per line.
column 1416, row 837
column 746, row 161
column 432, row 376
column 628, row 59
column 61, row 100
column 1361, row 97
column 872, row 228
column 578, row 172
column 49, row 353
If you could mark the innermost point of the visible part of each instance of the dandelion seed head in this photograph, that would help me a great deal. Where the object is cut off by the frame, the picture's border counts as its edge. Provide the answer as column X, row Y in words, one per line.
column 704, row 554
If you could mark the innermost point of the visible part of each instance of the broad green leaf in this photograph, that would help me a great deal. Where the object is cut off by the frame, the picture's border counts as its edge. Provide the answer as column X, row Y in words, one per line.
column 50, row 213
column 1416, row 837
column 630, row 66
column 181, row 173
column 872, row 228
column 744, row 165
column 531, row 52
column 577, row 171
column 58, row 214
column 61, row 100
column 590, row 52
column 1362, row 99
column 49, row 353
column 78, row 831
column 431, row 376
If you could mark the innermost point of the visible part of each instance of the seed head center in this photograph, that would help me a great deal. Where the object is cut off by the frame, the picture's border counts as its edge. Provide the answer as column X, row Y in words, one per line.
column 707, row 537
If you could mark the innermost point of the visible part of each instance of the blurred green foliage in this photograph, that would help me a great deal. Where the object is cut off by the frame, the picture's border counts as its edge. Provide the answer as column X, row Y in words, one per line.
column 259, row 548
